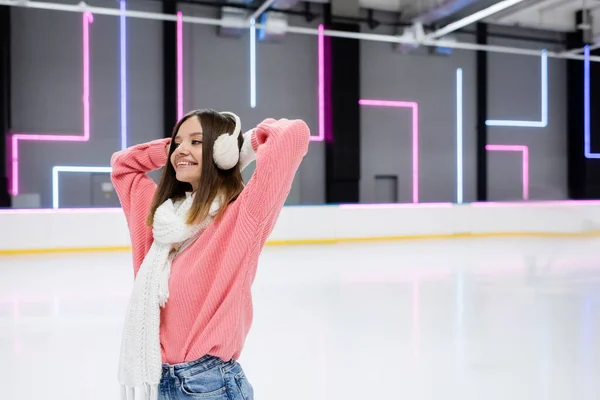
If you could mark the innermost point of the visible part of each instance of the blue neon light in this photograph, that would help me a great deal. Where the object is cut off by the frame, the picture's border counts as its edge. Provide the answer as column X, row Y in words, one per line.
column 544, row 98
column 459, row 136
column 253, row 64
column 57, row 169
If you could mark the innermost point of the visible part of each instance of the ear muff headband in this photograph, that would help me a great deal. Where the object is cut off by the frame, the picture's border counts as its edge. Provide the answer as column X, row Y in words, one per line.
column 226, row 152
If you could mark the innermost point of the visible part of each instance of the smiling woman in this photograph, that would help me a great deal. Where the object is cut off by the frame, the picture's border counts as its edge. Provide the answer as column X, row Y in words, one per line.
column 186, row 325
column 192, row 169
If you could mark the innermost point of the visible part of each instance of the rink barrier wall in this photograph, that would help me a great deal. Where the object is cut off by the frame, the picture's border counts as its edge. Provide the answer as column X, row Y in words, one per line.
column 77, row 230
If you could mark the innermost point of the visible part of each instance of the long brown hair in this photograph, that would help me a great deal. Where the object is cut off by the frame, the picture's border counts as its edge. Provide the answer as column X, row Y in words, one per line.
column 213, row 181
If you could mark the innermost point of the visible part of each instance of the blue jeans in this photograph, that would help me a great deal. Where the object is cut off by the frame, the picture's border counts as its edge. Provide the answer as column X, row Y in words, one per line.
column 208, row 378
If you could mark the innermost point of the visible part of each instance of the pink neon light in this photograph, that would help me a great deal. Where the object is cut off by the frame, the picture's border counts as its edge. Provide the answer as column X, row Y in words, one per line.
column 88, row 18
column 321, row 86
column 321, row 65
column 179, row 65
column 415, row 135
column 525, row 151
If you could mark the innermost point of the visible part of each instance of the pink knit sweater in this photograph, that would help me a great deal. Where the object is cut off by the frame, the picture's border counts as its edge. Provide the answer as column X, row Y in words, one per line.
column 210, row 304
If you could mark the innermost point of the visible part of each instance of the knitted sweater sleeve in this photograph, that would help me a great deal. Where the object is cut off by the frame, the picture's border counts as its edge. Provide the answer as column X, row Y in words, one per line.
column 136, row 190
column 279, row 146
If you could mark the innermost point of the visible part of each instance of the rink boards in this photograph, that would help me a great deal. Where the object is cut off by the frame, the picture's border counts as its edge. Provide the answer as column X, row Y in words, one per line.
column 50, row 230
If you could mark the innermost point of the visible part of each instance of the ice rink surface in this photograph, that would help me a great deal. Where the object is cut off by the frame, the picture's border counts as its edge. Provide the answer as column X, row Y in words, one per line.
column 493, row 319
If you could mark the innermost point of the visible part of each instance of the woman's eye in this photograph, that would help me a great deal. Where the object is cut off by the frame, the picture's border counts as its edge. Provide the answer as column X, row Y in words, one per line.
column 196, row 141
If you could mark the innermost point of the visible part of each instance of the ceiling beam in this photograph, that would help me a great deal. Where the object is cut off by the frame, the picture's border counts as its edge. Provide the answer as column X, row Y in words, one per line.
column 261, row 9
column 468, row 20
column 82, row 7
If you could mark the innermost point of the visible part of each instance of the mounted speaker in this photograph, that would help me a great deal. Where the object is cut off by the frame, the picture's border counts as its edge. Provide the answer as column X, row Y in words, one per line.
column 275, row 27
column 235, row 19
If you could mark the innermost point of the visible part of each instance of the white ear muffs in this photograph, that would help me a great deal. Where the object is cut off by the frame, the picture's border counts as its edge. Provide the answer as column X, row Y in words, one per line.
column 226, row 152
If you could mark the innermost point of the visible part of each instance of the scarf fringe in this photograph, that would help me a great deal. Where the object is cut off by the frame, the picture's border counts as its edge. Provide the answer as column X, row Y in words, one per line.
column 146, row 392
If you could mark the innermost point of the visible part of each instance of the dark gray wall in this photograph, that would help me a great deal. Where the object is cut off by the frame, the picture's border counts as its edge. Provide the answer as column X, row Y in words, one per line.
column 217, row 76
column 47, row 76
column 47, row 88
column 387, row 132
column 514, row 86
column 514, row 93
column 47, row 91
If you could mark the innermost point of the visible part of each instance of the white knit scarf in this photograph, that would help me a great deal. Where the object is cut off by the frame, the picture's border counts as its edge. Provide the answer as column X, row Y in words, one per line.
column 140, row 363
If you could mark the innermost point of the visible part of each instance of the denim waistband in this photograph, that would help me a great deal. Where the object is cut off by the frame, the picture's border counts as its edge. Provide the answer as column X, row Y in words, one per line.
column 200, row 365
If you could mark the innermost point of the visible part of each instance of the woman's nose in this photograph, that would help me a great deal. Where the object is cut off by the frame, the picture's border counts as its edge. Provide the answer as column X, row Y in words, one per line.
column 182, row 148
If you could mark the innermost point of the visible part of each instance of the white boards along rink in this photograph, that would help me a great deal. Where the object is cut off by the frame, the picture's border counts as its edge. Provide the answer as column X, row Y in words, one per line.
column 49, row 230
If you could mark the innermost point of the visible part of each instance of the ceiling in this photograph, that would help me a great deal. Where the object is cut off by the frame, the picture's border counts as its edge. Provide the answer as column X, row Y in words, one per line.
column 555, row 15
column 386, row 5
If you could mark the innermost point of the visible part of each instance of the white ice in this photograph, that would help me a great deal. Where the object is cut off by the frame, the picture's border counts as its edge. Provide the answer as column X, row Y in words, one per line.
column 492, row 319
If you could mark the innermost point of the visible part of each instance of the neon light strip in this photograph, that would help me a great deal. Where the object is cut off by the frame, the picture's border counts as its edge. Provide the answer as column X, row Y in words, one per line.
column 469, row 19
column 57, row 169
column 459, row 136
column 123, row 45
column 321, row 67
column 123, row 53
column 321, row 85
column 88, row 18
column 544, row 98
column 525, row 151
column 253, row 64
column 415, row 136
column 179, row 65
column 586, row 106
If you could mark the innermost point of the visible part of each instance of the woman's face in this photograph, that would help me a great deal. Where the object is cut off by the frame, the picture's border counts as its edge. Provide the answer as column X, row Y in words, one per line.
column 187, row 155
